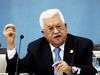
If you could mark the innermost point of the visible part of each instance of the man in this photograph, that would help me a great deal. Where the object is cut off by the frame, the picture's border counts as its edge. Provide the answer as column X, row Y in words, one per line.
column 41, row 58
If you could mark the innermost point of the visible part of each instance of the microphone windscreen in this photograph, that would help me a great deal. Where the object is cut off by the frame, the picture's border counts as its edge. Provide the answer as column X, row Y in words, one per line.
column 21, row 36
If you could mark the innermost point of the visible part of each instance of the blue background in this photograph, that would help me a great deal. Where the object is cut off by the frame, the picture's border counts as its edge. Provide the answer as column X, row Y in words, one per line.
column 82, row 18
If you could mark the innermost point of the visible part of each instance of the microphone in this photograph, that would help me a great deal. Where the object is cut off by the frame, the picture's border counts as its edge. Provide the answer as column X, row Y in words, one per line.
column 21, row 37
column 70, row 72
column 0, row 44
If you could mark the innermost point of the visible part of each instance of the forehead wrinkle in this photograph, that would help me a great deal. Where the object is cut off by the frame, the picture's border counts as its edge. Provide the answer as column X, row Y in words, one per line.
column 52, row 21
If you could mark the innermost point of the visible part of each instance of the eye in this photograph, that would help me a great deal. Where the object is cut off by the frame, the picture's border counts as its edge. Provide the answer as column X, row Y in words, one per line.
column 58, row 26
column 50, row 28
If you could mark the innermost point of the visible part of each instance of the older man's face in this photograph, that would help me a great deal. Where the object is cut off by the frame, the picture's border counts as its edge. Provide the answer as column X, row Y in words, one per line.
column 55, row 31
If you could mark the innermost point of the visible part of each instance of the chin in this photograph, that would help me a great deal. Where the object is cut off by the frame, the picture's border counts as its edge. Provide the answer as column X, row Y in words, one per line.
column 59, row 41
column 58, row 44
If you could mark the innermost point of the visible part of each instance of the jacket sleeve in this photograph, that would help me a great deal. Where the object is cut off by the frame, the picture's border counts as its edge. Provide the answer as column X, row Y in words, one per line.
column 11, row 65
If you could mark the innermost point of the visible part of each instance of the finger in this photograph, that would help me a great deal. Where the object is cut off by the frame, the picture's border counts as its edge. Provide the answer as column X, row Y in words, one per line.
column 55, row 64
column 65, row 68
column 8, row 26
column 13, row 28
column 58, row 67
column 9, row 33
column 9, row 30
column 61, row 69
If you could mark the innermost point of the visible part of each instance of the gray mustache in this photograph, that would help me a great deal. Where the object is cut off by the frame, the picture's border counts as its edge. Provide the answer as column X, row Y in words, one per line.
column 56, row 35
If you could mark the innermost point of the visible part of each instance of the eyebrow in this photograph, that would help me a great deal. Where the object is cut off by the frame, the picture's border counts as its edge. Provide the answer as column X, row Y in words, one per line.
column 52, row 26
column 49, row 26
column 58, row 23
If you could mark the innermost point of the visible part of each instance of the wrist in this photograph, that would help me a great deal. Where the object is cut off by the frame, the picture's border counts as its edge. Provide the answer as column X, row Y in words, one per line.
column 10, row 47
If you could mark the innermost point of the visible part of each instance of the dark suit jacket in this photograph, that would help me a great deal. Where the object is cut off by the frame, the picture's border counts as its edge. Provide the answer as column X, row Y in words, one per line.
column 39, row 59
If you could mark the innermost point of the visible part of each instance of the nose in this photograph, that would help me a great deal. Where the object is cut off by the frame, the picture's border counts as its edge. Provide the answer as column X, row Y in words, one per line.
column 55, row 30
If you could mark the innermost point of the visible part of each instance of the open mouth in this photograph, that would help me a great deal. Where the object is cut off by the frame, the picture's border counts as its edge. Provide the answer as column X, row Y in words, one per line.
column 57, row 36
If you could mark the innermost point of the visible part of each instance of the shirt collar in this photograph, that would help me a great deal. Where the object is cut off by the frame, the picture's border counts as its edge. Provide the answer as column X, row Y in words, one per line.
column 61, row 47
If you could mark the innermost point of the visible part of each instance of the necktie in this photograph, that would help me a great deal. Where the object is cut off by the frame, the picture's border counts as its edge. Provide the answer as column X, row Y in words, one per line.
column 57, row 57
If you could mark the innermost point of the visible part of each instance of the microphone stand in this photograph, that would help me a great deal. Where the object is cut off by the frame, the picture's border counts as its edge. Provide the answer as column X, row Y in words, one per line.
column 70, row 72
column 21, row 37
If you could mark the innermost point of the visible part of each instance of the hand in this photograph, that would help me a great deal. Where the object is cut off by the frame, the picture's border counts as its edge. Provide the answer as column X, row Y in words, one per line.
column 9, row 34
column 62, row 66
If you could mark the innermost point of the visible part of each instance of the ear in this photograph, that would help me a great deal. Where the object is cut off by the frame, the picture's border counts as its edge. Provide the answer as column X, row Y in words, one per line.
column 42, row 31
column 65, row 25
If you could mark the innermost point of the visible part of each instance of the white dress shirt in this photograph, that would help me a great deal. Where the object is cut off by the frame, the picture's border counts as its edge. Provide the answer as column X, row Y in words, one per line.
column 11, row 53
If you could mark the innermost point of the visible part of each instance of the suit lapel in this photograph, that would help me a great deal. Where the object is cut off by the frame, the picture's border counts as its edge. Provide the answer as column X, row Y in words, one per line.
column 47, row 58
column 69, row 45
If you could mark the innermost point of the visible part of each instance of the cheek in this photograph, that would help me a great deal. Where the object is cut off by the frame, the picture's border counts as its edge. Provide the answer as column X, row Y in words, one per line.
column 49, row 37
column 64, row 34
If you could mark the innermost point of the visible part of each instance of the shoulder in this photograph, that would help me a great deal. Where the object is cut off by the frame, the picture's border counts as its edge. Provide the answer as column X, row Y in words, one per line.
column 78, row 37
column 38, row 42
column 80, row 40
column 83, row 44
column 37, row 45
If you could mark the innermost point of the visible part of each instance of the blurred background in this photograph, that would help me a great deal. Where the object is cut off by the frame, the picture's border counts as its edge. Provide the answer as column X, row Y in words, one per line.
column 82, row 18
